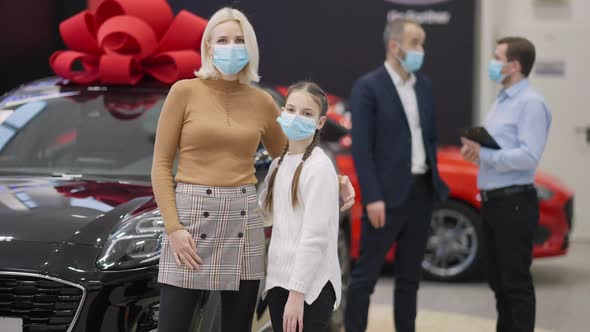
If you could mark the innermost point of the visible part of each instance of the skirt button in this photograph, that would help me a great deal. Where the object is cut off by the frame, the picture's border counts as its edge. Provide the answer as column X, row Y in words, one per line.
column 243, row 213
column 203, row 236
column 209, row 191
column 243, row 190
column 240, row 235
column 206, row 214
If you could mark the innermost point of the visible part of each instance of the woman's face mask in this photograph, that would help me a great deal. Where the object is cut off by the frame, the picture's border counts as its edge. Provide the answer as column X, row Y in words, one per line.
column 230, row 59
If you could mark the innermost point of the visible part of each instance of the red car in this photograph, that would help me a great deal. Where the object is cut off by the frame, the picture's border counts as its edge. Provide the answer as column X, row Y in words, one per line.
column 454, row 248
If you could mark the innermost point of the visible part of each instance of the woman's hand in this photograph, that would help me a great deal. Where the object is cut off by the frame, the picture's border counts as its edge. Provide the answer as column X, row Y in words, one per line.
column 184, row 248
column 293, row 315
column 346, row 192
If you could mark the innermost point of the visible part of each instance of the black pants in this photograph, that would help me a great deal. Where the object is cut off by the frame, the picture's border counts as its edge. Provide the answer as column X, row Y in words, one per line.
column 509, row 223
column 408, row 225
column 177, row 306
column 316, row 317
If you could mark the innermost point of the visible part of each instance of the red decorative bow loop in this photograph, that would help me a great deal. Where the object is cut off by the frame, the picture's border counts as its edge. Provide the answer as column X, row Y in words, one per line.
column 119, row 69
column 156, row 13
column 127, row 35
column 62, row 63
column 78, row 33
column 185, row 32
column 167, row 67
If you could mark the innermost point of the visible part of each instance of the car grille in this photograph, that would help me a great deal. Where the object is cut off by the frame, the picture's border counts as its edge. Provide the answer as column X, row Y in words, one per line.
column 44, row 304
column 569, row 212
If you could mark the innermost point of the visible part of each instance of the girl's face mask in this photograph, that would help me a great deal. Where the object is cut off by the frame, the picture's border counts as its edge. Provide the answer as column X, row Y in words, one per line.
column 296, row 127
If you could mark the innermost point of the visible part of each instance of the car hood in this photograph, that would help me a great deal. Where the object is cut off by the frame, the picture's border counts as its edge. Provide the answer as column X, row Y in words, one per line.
column 50, row 210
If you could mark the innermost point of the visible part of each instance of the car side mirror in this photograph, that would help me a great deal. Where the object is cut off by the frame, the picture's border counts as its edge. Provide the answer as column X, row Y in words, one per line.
column 333, row 132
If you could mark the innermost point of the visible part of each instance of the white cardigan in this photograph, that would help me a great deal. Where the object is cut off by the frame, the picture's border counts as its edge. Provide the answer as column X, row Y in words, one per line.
column 303, row 253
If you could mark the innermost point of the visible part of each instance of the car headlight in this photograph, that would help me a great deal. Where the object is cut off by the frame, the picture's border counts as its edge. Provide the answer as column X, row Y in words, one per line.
column 135, row 243
column 544, row 193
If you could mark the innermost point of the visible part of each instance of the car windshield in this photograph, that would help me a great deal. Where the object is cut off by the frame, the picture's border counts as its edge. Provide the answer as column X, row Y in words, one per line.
column 101, row 134
column 97, row 133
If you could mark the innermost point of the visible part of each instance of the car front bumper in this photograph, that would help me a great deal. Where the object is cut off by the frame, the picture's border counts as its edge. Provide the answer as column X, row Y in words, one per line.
column 64, row 291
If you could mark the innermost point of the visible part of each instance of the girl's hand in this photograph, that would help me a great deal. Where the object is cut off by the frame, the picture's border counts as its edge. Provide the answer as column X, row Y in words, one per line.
column 293, row 315
column 347, row 192
column 184, row 248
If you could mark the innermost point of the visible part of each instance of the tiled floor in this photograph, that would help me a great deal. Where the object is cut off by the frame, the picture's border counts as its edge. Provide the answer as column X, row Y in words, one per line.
column 563, row 299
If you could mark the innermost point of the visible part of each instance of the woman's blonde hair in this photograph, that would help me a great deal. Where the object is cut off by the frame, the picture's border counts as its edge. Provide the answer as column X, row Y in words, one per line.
column 250, row 72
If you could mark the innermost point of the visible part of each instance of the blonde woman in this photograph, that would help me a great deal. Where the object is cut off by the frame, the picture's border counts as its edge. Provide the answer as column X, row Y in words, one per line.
column 214, row 238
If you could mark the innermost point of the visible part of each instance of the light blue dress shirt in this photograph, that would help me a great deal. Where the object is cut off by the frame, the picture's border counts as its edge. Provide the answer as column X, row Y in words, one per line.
column 519, row 121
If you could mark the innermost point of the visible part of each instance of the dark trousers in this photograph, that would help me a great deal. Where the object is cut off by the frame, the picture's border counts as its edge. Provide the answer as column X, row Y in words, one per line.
column 407, row 225
column 509, row 223
column 177, row 306
column 316, row 316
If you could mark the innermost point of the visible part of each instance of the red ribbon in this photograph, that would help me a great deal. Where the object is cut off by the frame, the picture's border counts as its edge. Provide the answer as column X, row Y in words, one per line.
column 120, row 41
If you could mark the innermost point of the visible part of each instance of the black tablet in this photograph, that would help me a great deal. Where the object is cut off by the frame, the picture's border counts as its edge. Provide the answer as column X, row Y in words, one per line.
column 481, row 136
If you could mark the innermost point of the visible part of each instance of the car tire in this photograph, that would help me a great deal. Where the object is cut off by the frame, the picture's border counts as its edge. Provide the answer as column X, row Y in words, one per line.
column 337, row 320
column 454, row 250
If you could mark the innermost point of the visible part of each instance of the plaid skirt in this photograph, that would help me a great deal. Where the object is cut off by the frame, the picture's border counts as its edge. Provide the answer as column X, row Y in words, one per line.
column 227, row 226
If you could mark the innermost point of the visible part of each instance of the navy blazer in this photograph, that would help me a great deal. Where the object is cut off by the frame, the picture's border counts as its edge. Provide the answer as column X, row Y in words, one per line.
column 382, row 142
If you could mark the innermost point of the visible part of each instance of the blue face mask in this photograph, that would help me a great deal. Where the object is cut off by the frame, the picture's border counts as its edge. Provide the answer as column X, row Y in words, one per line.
column 495, row 71
column 413, row 61
column 230, row 59
column 296, row 127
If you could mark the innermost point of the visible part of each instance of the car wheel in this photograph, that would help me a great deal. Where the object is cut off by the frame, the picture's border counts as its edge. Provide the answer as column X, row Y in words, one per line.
column 337, row 321
column 454, row 250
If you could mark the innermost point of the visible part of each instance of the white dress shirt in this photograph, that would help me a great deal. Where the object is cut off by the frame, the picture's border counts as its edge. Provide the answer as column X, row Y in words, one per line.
column 303, row 252
column 407, row 94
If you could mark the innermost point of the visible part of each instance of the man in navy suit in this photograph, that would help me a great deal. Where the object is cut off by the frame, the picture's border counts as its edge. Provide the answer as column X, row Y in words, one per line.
column 394, row 150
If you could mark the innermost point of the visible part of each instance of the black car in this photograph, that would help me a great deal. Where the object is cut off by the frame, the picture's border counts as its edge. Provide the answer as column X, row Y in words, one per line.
column 80, row 233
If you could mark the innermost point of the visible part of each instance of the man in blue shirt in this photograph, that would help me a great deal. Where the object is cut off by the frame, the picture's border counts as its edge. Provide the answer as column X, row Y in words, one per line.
column 519, row 121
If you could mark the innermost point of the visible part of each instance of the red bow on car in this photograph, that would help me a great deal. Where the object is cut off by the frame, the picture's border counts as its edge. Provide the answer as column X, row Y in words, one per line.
column 122, row 40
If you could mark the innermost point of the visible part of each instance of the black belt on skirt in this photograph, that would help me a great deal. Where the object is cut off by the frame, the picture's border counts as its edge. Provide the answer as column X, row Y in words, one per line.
column 486, row 195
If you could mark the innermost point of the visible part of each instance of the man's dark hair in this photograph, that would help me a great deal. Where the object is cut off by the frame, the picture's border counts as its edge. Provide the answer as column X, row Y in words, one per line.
column 520, row 49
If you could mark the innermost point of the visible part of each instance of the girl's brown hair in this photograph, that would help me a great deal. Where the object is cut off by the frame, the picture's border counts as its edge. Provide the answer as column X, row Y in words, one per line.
column 320, row 98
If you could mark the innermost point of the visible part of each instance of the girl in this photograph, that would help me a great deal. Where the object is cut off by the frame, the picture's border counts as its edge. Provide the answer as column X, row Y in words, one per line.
column 303, row 282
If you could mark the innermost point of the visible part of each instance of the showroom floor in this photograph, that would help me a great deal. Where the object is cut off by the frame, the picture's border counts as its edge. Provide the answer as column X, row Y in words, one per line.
column 563, row 299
